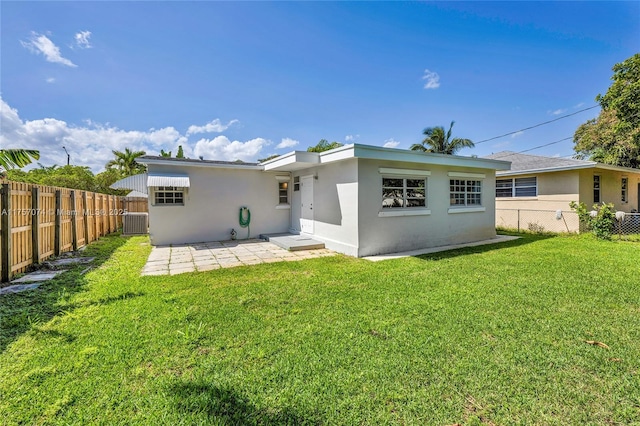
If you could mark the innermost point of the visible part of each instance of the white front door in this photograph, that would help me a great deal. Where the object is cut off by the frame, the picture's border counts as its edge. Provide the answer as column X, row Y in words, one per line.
column 306, row 196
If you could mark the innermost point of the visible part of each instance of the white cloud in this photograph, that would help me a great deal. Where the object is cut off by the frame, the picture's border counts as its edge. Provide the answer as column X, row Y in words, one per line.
column 580, row 105
column 558, row 112
column 517, row 134
column 221, row 148
column 82, row 40
column 287, row 143
column 51, row 80
column 39, row 43
column 88, row 146
column 214, row 126
column 351, row 138
column 390, row 143
column 91, row 144
column 432, row 78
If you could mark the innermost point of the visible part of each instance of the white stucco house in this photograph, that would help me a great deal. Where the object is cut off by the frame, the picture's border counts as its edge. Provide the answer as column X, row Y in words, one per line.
column 359, row 200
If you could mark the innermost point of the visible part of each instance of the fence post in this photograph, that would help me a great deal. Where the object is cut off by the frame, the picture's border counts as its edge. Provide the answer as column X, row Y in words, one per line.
column 57, row 229
column 74, row 222
column 86, row 218
column 35, row 224
column 5, row 244
column 518, row 220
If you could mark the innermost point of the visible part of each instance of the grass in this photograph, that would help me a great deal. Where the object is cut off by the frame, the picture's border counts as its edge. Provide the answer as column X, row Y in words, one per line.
column 485, row 335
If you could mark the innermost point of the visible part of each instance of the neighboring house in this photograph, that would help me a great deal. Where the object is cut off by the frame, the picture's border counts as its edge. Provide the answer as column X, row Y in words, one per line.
column 359, row 200
column 537, row 184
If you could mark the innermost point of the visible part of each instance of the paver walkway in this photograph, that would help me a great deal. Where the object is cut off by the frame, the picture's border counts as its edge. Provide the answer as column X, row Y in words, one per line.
column 177, row 259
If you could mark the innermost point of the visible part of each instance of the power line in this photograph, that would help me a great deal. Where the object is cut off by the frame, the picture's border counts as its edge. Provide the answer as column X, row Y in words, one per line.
column 537, row 125
column 535, row 147
column 547, row 144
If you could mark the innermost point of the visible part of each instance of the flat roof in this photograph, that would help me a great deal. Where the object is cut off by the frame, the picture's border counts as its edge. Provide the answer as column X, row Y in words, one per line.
column 296, row 160
column 172, row 161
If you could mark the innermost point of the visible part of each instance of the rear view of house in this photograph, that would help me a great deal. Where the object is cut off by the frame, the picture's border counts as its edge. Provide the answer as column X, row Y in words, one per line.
column 359, row 200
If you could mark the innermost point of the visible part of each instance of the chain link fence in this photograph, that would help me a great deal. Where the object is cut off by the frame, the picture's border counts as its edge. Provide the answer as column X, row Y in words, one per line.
column 558, row 221
column 627, row 223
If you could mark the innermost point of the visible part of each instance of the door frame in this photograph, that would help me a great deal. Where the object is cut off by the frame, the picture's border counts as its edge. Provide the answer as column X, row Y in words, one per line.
column 306, row 212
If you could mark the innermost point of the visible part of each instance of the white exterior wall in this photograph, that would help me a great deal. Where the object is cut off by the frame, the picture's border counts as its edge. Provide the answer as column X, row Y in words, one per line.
column 380, row 235
column 335, row 205
column 212, row 204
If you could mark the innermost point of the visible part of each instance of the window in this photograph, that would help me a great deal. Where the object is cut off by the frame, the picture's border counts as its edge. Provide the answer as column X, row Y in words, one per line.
column 283, row 192
column 596, row 189
column 465, row 192
column 518, row 187
column 296, row 183
column 169, row 195
column 624, row 185
column 401, row 192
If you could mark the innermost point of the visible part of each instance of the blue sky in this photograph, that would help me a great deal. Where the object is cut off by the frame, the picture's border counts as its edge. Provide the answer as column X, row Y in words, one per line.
column 236, row 80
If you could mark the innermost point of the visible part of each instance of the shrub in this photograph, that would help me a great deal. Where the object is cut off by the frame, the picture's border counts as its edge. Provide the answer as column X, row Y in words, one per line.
column 536, row 228
column 600, row 220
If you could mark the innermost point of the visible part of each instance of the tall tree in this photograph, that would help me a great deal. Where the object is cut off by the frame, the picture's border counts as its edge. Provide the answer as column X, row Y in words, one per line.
column 324, row 145
column 614, row 136
column 436, row 140
column 126, row 162
column 17, row 158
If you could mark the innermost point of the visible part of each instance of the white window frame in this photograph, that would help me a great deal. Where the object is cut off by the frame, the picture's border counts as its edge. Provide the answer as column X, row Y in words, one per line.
column 514, row 187
column 466, row 177
column 597, row 188
column 169, row 194
column 404, row 175
column 624, row 189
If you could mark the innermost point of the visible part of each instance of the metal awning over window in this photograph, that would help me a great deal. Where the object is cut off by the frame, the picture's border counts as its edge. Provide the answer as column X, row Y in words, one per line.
column 133, row 183
column 177, row 181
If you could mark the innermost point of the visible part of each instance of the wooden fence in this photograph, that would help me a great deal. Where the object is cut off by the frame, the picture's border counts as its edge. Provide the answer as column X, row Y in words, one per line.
column 37, row 222
column 136, row 204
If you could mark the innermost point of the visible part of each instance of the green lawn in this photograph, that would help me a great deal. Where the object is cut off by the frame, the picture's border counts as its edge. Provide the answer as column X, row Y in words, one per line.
column 486, row 335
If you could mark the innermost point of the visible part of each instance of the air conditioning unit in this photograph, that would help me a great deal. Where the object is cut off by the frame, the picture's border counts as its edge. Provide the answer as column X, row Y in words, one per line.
column 135, row 223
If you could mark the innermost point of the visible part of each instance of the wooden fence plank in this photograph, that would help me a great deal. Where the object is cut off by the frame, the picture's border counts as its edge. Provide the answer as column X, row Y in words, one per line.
column 57, row 241
column 74, row 222
column 5, row 244
column 87, row 240
column 35, row 225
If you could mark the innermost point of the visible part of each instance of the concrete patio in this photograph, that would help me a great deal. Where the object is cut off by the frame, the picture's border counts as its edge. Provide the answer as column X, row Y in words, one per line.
column 177, row 259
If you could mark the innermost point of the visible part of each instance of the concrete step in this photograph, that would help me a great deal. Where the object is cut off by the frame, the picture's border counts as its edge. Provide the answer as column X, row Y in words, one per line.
column 293, row 242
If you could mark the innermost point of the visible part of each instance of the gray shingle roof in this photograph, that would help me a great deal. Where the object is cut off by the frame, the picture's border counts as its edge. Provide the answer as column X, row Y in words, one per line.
column 521, row 162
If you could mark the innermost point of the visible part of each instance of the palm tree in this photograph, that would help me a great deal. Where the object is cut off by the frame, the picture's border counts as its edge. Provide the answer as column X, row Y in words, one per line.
column 437, row 141
column 17, row 158
column 12, row 158
column 126, row 162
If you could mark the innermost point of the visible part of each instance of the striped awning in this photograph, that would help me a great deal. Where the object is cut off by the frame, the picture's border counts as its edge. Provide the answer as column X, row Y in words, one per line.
column 178, row 181
column 134, row 183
